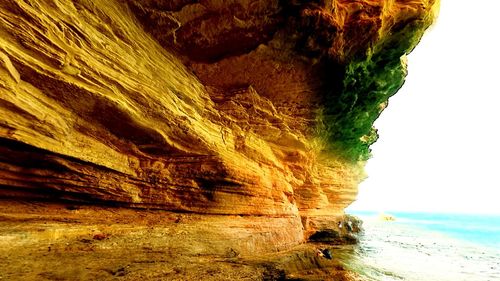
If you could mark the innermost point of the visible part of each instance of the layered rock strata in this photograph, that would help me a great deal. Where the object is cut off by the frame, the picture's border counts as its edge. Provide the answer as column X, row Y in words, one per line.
column 44, row 241
column 241, row 107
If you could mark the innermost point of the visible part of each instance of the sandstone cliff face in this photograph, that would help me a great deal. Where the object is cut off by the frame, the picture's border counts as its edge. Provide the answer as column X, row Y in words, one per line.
column 243, row 107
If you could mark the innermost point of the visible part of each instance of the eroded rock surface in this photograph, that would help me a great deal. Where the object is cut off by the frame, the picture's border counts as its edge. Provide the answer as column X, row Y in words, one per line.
column 83, row 242
column 241, row 107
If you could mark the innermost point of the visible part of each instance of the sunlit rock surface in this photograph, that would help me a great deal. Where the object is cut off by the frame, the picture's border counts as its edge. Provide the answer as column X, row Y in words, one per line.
column 243, row 107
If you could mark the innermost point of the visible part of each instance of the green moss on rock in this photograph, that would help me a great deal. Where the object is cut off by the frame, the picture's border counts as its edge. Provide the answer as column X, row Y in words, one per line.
column 350, row 109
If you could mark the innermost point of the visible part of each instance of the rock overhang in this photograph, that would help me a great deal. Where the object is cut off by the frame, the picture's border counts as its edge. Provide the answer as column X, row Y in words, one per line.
column 221, row 107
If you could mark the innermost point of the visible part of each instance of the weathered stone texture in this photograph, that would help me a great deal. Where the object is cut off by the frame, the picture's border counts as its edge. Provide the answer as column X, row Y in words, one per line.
column 202, row 106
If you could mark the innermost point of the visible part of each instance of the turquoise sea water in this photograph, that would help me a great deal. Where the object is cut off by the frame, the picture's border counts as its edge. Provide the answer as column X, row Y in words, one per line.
column 480, row 229
column 424, row 246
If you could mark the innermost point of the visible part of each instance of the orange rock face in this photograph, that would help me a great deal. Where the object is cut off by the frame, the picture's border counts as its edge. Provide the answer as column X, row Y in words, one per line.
column 201, row 106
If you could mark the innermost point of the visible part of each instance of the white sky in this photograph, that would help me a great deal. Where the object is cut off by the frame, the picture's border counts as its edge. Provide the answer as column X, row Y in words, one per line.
column 439, row 146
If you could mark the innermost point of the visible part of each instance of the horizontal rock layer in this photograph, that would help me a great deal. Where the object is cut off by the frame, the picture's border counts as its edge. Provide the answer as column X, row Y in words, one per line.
column 103, row 243
column 241, row 107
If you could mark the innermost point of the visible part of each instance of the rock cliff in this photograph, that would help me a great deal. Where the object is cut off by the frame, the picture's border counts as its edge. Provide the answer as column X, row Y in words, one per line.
column 239, row 107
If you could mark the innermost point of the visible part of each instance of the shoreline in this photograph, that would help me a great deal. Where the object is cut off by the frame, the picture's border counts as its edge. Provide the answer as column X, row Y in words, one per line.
column 428, row 247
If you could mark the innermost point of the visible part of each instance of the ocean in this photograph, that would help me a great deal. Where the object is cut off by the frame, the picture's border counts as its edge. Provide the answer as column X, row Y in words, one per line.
column 427, row 247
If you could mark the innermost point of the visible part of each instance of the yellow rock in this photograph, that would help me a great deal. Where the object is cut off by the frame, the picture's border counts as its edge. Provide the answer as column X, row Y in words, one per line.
column 207, row 108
